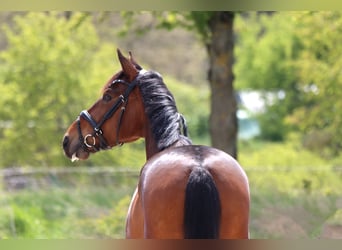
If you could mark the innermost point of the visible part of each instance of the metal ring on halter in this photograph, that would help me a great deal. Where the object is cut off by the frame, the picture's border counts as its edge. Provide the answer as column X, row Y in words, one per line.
column 86, row 143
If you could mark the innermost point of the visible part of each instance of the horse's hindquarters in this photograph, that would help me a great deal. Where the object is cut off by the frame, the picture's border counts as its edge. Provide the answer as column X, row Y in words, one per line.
column 232, row 184
column 163, row 184
column 135, row 220
column 163, row 194
column 234, row 195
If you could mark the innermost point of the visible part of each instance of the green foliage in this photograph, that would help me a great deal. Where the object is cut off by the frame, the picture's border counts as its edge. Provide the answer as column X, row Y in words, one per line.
column 296, row 53
column 265, row 50
column 200, row 21
column 273, row 127
column 280, row 156
column 42, row 70
column 196, row 21
column 320, row 78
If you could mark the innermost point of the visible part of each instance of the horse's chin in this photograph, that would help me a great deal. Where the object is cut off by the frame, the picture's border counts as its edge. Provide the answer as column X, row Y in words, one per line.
column 79, row 155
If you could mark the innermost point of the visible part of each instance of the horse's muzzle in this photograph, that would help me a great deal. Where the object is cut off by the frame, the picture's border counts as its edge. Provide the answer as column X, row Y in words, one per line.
column 65, row 142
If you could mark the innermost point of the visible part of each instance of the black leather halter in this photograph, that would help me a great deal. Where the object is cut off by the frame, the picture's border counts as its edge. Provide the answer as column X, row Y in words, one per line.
column 97, row 131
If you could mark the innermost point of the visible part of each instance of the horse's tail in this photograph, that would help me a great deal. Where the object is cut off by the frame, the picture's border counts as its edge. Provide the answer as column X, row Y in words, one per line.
column 202, row 206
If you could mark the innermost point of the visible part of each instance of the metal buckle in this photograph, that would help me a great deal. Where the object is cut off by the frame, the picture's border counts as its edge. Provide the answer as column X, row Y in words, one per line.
column 98, row 131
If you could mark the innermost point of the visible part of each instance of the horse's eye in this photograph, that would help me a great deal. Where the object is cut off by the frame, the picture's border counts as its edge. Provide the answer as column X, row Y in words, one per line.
column 106, row 97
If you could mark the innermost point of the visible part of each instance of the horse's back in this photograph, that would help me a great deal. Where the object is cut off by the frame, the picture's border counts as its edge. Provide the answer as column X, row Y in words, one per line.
column 163, row 185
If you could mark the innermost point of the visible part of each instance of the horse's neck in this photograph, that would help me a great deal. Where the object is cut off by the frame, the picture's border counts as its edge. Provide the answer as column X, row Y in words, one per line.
column 152, row 149
column 151, row 145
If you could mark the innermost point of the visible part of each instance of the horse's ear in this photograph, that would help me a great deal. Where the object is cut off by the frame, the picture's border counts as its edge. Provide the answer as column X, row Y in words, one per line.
column 133, row 61
column 128, row 67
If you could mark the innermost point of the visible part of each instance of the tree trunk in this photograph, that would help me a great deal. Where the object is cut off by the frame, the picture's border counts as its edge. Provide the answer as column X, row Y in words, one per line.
column 223, row 120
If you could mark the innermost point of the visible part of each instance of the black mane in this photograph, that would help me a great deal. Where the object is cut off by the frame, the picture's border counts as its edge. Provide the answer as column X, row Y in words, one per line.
column 168, row 126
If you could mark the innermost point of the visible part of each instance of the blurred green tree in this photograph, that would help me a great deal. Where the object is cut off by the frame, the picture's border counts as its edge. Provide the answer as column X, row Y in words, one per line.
column 47, row 59
column 296, row 54
column 266, row 49
column 319, row 116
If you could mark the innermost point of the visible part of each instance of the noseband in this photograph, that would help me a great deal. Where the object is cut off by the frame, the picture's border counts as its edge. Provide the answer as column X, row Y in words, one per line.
column 97, row 131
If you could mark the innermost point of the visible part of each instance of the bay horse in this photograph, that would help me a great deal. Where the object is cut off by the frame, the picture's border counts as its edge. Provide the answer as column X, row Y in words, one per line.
column 184, row 191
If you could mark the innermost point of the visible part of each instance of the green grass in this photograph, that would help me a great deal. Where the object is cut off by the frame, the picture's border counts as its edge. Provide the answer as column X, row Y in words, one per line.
column 294, row 194
column 63, row 212
column 276, row 214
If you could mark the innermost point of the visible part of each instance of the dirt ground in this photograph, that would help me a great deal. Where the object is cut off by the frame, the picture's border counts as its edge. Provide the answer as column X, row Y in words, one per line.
column 332, row 232
column 297, row 223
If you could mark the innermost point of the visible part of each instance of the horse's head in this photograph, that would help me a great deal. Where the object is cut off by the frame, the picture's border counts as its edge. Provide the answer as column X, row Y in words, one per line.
column 115, row 118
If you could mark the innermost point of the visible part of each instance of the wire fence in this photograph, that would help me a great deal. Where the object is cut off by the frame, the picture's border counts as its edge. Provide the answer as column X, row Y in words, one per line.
column 19, row 178
column 15, row 179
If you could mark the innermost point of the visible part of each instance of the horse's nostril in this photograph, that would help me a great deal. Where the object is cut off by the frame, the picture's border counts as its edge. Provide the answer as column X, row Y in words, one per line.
column 65, row 141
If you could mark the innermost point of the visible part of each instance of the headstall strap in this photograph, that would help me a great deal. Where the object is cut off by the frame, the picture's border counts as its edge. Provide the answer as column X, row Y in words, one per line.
column 121, row 101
